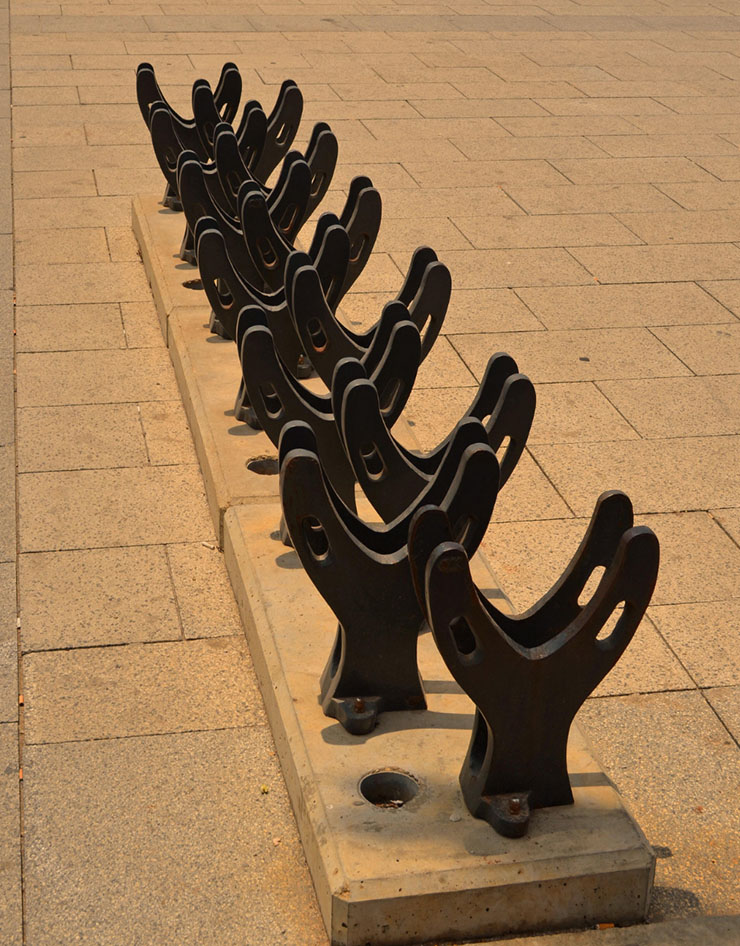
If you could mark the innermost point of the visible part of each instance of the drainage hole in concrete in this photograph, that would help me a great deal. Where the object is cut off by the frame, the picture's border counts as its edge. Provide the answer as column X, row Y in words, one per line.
column 389, row 789
column 193, row 284
column 265, row 466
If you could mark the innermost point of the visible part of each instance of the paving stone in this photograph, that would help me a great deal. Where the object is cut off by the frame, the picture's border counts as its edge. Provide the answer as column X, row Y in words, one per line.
column 204, row 596
column 145, row 810
column 529, row 557
column 590, row 198
column 439, row 232
column 122, row 244
column 68, row 327
column 138, row 689
column 563, row 230
column 168, row 437
column 71, row 136
column 384, row 176
column 114, row 181
column 97, row 377
column 478, row 149
column 627, row 170
column 685, row 226
column 597, row 306
column 484, row 269
column 576, row 413
column 103, row 508
column 660, row 263
column 46, row 184
column 706, row 349
column 727, row 292
column 6, row 260
column 567, row 126
column 495, row 310
column 444, row 201
column 678, row 407
column 380, row 274
column 87, row 597
column 81, row 282
column 92, row 24
column 11, row 918
column 443, row 368
column 43, row 247
column 7, row 503
column 79, row 437
column 671, row 746
column 633, row 91
column 391, row 129
column 729, row 519
column 528, row 495
column 645, row 146
column 648, row 666
column 49, row 157
column 125, row 95
column 703, row 195
column 705, row 637
column 8, row 650
column 470, row 173
column 592, row 355
column 335, row 109
column 658, row 475
column 73, row 212
column 494, row 89
column 687, row 931
column 725, row 701
column 141, row 325
column 379, row 89
column 433, row 412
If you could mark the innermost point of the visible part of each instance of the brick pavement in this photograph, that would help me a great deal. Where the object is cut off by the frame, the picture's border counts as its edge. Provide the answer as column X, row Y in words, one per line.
column 576, row 164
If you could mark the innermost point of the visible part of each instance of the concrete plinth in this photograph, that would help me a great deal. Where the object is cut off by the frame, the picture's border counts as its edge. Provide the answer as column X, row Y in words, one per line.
column 427, row 871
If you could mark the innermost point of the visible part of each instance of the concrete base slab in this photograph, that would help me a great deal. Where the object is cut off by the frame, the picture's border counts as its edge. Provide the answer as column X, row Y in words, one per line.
column 427, row 871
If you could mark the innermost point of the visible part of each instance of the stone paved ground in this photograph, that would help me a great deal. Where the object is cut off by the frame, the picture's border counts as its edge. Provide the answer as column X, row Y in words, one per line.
column 577, row 165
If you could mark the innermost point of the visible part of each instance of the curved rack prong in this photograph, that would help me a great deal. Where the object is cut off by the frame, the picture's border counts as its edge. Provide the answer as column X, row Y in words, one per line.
column 362, row 224
column 388, row 479
column 321, row 156
column 505, row 403
column 251, row 134
column 198, row 202
column 266, row 245
column 372, row 667
column 529, row 674
column 323, row 337
column 228, row 293
column 392, row 373
column 389, row 474
column 278, row 398
column 282, row 125
column 167, row 147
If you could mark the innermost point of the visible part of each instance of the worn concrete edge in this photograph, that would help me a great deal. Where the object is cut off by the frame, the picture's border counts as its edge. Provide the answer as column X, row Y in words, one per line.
column 203, row 438
column 342, row 902
column 291, row 749
column 152, row 264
